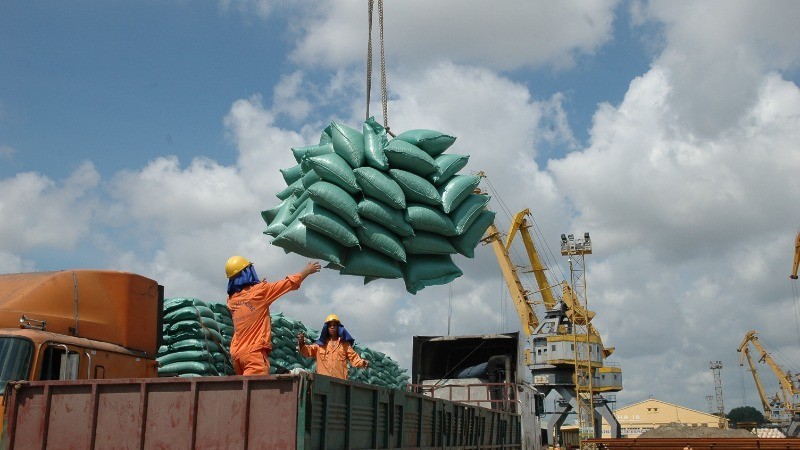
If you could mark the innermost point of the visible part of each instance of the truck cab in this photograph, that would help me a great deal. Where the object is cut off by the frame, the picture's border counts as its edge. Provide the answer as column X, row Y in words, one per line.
column 79, row 324
column 35, row 355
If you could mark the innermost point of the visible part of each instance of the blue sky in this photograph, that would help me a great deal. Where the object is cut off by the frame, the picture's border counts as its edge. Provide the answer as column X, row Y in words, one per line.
column 148, row 136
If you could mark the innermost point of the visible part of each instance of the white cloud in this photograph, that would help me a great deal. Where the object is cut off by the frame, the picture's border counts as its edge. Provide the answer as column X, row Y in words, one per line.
column 418, row 33
column 495, row 121
column 40, row 212
column 11, row 263
column 664, row 178
column 685, row 187
column 166, row 197
column 717, row 51
column 263, row 147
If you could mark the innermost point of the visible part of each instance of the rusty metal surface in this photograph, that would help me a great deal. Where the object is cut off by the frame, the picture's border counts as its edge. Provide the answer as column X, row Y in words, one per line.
column 696, row 443
column 270, row 412
column 209, row 412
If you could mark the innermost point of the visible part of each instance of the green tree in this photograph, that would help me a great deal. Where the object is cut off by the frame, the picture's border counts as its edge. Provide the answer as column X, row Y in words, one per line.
column 746, row 414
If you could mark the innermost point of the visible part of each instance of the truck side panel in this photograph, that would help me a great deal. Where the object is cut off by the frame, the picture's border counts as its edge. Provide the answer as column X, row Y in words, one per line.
column 354, row 415
column 271, row 412
column 154, row 413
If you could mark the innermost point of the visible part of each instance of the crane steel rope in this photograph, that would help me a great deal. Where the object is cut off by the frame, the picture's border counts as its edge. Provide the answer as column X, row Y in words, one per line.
column 384, row 97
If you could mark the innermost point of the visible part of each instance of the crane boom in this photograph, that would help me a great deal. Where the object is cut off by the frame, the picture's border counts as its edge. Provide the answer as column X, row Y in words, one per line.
column 788, row 392
column 519, row 295
column 745, row 351
column 521, row 225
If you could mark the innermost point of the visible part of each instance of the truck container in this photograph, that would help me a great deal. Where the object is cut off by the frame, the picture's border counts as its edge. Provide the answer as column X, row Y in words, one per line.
column 294, row 411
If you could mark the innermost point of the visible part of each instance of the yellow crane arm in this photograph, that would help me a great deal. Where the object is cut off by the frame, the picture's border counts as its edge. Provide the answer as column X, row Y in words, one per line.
column 745, row 351
column 787, row 386
column 743, row 345
column 519, row 295
column 521, row 224
column 796, row 257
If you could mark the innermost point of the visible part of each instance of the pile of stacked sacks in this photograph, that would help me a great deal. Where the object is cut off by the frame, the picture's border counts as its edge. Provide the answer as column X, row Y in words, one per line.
column 380, row 208
column 382, row 371
column 196, row 338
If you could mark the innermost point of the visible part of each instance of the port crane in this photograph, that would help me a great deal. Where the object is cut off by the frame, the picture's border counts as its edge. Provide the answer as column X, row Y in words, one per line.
column 784, row 407
column 551, row 351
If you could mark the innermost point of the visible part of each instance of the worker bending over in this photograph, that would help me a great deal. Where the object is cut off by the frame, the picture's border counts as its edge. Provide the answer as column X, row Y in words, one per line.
column 249, row 299
column 332, row 350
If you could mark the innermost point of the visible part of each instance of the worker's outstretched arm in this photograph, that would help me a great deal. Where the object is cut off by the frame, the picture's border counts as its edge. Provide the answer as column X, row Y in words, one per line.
column 311, row 267
column 309, row 351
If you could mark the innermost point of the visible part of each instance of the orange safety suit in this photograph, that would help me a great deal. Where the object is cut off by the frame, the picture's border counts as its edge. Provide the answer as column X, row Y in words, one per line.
column 252, row 336
column 332, row 357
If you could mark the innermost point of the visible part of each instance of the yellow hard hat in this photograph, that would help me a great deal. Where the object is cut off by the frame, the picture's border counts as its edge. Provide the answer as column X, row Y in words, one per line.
column 235, row 265
column 332, row 318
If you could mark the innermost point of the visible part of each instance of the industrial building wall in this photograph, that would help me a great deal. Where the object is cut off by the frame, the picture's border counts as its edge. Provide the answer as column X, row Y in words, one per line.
column 639, row 417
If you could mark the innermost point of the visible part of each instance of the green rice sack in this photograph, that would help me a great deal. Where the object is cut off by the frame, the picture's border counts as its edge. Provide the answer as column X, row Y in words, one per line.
column 466, row 242
column 432, row 142
column 416, row 188
column 381, row 213
column 348, row 143
column 428, row 270
column 380, row 186
column 374, row 141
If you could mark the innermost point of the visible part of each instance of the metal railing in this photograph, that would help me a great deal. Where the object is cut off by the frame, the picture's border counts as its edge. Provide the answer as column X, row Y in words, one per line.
column 496, row 396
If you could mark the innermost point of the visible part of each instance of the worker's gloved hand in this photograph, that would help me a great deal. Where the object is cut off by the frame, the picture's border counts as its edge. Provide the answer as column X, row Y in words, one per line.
column 301, row 340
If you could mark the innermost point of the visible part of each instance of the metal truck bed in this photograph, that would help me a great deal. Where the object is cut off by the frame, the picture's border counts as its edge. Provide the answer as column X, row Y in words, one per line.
column 301, row 411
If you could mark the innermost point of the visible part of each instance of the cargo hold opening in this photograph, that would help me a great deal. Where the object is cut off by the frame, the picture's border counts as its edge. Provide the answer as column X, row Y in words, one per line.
column 437, row 357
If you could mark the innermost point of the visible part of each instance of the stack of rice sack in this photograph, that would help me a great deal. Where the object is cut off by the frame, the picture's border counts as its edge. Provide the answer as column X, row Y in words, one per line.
column 284, row 344
column 224, row 321
column 380, row 208
column 192, row 341
column 382, row 370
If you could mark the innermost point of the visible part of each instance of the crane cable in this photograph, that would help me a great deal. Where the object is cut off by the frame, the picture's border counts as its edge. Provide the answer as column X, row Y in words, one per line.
column 793, row 284
column 548, row 256
column 796, row 304
column 384, row 97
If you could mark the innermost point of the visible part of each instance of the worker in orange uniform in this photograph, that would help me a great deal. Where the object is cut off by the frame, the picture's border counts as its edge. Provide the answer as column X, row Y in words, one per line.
column 249, row 299
column 333, row 349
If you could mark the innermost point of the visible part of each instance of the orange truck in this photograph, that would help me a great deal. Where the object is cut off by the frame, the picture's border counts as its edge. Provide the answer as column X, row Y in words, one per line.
column 78, row 362
column 79, row 324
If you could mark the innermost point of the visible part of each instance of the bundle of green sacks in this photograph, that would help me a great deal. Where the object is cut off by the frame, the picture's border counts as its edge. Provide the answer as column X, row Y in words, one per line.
column 382, row 370
column 197, row 337
column 380, row 208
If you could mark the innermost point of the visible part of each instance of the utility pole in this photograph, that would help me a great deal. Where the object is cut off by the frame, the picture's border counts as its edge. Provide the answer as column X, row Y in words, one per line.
column 716, row 367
